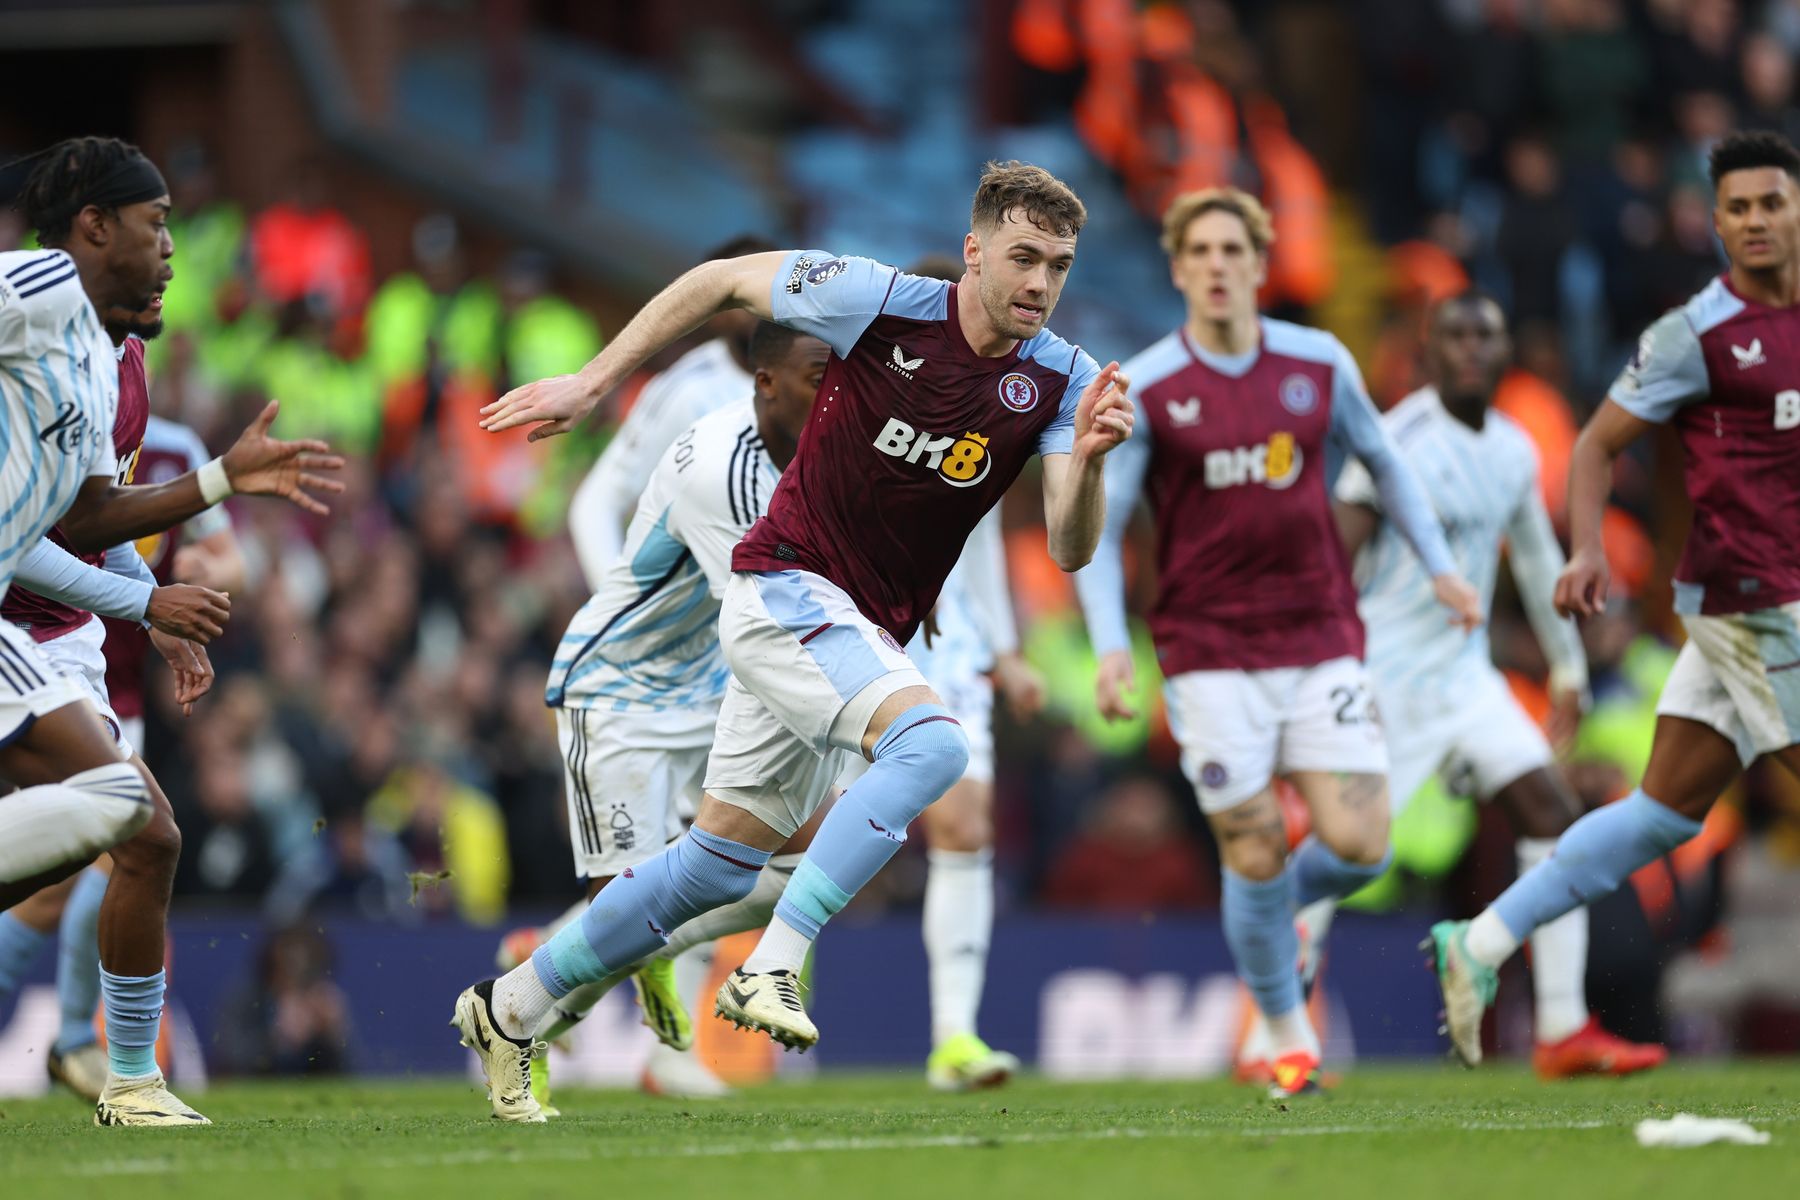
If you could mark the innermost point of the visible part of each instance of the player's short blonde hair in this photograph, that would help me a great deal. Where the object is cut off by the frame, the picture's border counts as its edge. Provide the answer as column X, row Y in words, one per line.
column 1240, row 204
column 1048, row 202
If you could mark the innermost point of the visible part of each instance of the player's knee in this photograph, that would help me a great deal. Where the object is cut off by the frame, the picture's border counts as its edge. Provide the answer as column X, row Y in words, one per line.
column 930, row 744
column 1255, row 858
column 119, row 795
column 1359, row 847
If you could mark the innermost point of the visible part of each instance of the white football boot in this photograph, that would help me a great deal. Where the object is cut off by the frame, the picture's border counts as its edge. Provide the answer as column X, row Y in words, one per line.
column 82, row 1070
column 142, row 1100
column 680, row 1075
column 770, row 1002
column 505, row 1061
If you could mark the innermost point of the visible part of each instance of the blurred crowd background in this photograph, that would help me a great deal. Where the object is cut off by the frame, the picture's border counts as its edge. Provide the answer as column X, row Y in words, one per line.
column 387, row 214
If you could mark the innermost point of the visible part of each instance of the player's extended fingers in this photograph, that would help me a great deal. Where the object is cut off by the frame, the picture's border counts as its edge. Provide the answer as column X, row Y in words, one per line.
column 300, row 500
column 266, row 417
column 315, row 456
column 550, row 429
column 319, row 483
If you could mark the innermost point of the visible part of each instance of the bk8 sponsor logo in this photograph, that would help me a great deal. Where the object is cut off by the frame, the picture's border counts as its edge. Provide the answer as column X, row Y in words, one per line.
column 961, row 461
column 1274, row 463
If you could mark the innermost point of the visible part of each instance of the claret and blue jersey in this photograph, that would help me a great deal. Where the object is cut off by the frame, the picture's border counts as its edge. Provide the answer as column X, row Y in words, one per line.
column 913, row 437
column 1237, row 455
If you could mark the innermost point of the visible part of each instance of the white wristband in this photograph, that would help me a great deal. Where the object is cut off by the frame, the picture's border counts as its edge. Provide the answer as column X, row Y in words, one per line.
column 215, row 485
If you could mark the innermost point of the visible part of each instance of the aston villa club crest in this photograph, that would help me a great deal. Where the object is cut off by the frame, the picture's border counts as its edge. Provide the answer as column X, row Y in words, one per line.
column 1299, row 394
column 1019, row 392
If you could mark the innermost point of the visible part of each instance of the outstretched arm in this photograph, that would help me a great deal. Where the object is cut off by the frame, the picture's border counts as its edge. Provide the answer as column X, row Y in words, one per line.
column 105, row 514
column 557, row 404
column 1403, row 498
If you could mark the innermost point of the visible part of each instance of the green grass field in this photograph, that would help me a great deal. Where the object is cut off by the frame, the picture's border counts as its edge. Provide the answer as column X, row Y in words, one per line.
column 1386, row 1133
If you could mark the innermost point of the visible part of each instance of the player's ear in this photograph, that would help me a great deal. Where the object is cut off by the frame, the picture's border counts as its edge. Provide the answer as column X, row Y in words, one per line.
column 972, row 251
column 90, row 224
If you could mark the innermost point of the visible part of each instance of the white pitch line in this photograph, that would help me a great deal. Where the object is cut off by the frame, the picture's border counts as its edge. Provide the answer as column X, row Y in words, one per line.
column 562, row 1152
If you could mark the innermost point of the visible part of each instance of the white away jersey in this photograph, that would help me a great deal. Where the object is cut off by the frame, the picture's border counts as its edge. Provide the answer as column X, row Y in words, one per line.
column 648, row 639
column 1484, row 485
column 59, row 393
column 702, row 381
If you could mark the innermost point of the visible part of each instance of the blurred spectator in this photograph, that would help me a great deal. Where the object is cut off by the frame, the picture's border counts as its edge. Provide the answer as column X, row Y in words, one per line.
column 291, row 1019
column 303, row 249
column 227, row 852
column 1536, row 227
column 1134, row 856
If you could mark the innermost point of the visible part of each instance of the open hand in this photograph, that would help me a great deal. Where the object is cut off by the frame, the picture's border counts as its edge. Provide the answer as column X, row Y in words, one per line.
column 556, row 405
column 1117, row 679
column 259, row 465
column 193, row 669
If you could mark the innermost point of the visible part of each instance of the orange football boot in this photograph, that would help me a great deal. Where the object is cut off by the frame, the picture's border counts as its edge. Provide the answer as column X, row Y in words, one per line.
column 1591, row 1050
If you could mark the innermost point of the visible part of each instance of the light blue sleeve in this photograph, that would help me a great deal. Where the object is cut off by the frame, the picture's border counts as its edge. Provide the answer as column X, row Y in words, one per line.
column 1358, row 428
column 1667, row 372
column 1101, row 584
column 122, row 591
column 1059, row 435
column 834, row 299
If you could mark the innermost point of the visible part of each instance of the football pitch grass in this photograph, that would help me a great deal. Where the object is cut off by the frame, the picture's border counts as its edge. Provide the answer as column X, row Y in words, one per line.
column 1387, row 1132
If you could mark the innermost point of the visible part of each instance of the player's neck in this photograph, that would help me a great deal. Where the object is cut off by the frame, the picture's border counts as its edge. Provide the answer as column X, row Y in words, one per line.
column 96, row 283
column 1777, row 287
column 977, row 330
column 1228, row 338
column 1470, row 410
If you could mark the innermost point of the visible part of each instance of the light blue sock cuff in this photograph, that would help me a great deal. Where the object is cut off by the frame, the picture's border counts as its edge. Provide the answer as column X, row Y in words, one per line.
column 1667, row 826
column 810, row 899
column 134, row 1005
column 1319, row 873
column 566, row 958
column 912, row 718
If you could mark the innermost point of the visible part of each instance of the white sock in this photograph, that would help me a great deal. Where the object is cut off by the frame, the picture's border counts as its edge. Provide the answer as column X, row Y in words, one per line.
column 752, row 912
column 1293, row 1032
column 53, row 824
column 521, row 1001
column 783, row 948
column 959, row 924
column 1558, row 959
column 1490, row 942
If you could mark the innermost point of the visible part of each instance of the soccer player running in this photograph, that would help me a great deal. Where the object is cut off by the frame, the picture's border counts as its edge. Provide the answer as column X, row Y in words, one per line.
column 1445, row 707
column 1719, row 369
column 935, row 396
column 104, row 206
column 716, row 374
column 54, row 598
column 638, row 678
column 972, row 635
column 1255, row 619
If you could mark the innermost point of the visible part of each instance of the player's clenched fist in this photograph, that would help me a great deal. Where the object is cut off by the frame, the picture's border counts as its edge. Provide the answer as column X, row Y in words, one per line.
column 1104, row 415
column 1581, row 588
column 555, row 405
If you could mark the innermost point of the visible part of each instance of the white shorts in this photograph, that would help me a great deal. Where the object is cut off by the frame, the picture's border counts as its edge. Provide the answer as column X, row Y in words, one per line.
column 1740, row 674
column 807, row 672
column 36, row 680
column 1239, row 729
column 1473, row 736
column 632, row 781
